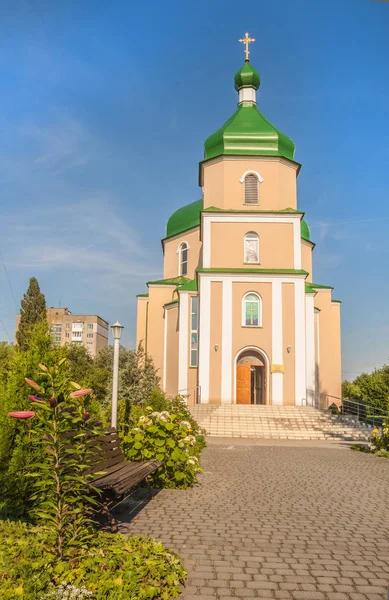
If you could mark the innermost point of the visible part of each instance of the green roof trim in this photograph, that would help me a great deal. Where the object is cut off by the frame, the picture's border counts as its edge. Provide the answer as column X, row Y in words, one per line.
column 248, row 132
column 171, row 281
column 142, row 295
column 309, row 289
column 247, row 76
column 184, row 218
column 250, row 270
column 245, row 211
column 172, row 302
column 189, row 286
column 324, row 287
column 338, row 301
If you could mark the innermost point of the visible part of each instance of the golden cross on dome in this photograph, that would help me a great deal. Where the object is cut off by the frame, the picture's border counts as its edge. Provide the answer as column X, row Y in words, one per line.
column 247, row 40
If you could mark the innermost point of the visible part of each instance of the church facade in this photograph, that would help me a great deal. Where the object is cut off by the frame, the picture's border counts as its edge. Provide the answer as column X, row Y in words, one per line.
column 237, row 317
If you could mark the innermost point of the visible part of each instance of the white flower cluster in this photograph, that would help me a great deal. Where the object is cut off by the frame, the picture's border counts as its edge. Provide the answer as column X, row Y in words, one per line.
column 67, row 591
column 189, row 440
column 145, row 421
column 186, row 424
column 162, row 417
column 193, row 461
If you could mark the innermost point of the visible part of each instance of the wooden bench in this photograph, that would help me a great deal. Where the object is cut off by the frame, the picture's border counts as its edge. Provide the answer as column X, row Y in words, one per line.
column 117, row 476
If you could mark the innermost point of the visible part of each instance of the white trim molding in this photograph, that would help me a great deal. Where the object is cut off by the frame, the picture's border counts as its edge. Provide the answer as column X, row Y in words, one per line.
column 310, row 360
column 165, row 313
column 183, row 342
column 227, row 319
column 204, row 337
column 299, row 343
column 251, row 172
column 209, row 218
column 267, row 380
column 277, row 337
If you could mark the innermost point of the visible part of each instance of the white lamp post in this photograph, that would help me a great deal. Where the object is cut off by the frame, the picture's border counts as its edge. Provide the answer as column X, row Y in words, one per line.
column 117, row 333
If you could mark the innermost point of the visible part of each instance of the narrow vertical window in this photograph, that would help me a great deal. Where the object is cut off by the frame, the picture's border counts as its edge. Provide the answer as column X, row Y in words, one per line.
column 251, row 247
column 194, row 332
column 183, row 253
column 251, row 189
column 252, row 316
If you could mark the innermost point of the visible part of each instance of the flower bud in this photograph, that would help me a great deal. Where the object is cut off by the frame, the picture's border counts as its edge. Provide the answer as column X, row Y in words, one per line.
column 53, row 402
column 85, row 416
column 36, row 399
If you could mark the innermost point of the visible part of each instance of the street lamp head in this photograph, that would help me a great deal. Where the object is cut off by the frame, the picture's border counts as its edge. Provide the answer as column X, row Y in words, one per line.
column 117, row 330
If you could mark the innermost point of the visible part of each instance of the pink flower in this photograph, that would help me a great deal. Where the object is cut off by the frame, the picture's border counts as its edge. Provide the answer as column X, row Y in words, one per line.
column 86, row 416
column 32, row 384
column 37, row 399
column 22, row 414
column 79, row 393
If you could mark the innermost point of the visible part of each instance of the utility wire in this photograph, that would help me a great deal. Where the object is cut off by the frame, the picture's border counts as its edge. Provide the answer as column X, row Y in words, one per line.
column 6, row 332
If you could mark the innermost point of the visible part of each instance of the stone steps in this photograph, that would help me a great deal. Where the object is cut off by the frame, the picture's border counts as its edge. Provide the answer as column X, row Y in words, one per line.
column 277, row 422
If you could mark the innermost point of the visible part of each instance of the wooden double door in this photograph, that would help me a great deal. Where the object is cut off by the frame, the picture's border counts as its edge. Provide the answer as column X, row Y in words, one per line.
column 250, row 384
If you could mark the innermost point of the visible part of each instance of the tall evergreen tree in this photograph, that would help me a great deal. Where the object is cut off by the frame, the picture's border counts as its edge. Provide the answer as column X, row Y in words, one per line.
column 32, row 311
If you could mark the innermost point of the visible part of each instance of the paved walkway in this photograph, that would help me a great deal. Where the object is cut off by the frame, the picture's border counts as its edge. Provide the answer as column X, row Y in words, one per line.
column 288, row 521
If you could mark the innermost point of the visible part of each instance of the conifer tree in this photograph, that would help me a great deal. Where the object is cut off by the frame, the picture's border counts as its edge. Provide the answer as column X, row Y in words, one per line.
column 32, row 311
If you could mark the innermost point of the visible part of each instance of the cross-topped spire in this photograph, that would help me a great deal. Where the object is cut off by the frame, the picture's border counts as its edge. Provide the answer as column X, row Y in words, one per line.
column 247, row 40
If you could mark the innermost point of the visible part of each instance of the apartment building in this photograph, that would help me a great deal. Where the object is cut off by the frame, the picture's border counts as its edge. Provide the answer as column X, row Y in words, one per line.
column 90, row 331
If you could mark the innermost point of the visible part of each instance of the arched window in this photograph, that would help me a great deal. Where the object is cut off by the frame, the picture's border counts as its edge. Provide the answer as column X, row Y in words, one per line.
column 251, row 247
column 252, row 310
column 183, row 258
column 251, row 189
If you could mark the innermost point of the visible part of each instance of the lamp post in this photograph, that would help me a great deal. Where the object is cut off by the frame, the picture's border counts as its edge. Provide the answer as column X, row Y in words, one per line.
column 117, row 333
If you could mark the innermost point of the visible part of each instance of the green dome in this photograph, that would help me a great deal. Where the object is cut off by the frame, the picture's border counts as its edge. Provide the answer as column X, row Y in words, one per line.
column 248, row 132
column 305, row 233
column 247, row 76
column 184, row 218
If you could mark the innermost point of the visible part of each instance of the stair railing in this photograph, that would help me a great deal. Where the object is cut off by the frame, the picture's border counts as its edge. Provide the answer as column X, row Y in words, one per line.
column 348, row 410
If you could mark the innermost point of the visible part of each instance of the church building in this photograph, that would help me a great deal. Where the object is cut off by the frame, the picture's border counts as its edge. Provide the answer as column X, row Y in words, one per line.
column 237, row 317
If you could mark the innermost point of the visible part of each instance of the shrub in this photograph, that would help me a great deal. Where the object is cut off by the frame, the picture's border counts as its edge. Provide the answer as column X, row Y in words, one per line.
column 170, row 438
column 112, row 567
column 67, row 591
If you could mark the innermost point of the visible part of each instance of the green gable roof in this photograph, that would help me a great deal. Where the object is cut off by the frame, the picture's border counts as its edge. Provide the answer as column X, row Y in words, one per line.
column 184, row 218
column 171, row 281
column 189, row 286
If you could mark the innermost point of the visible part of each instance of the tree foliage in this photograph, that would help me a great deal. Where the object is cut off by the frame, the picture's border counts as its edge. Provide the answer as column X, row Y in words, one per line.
column 369, row 388
column 32, row 312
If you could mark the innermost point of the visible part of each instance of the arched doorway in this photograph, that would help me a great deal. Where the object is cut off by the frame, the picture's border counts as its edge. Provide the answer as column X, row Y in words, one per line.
column 251, row 377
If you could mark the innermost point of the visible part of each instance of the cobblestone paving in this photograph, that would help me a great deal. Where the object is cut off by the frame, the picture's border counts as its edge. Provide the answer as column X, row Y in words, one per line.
column 293, row 523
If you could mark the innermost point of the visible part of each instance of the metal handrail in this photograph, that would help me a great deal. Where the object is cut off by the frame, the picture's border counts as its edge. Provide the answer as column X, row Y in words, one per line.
column 192, row 392
column 347, row 409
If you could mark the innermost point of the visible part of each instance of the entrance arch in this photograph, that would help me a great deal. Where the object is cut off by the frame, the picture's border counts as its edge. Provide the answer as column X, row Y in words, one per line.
column 251, row 376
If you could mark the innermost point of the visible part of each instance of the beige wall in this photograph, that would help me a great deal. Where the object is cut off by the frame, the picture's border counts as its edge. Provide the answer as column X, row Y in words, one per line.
column 215, row 359
column 141, row 321
column 171, row 256
column 252, row 336
column 171, row 314
column 329, row 345
column 288, row 339
column 158, row 296
column 275, row 245
column 306, row 259
column 223, row 189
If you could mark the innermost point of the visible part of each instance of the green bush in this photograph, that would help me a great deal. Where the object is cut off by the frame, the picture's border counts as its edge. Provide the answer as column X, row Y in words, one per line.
column 111, row 566
column 170, row 436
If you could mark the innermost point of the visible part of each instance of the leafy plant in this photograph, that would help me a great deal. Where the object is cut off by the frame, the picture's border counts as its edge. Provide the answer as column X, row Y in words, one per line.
column 169, row 438
column 112, row 567
column 63, row 499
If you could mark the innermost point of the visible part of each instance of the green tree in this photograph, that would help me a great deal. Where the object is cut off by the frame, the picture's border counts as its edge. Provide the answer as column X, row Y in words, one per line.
column 32, row 311
column 369, row 388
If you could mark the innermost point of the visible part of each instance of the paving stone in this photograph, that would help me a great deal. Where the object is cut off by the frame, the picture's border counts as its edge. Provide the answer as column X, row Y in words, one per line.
column 278, row 523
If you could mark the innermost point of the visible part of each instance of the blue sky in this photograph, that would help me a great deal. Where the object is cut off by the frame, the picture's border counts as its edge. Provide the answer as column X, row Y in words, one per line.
column 93, row 93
